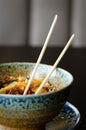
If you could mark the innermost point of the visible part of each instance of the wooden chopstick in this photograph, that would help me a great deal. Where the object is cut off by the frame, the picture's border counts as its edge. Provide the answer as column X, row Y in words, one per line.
column 41, row 54
column 56, row 63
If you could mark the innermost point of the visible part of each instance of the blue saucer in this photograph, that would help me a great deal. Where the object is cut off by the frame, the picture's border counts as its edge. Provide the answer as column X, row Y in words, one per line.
column 67, row 119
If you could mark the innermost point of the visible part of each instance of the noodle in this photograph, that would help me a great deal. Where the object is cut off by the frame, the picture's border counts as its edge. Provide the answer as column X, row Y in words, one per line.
column 16, row 86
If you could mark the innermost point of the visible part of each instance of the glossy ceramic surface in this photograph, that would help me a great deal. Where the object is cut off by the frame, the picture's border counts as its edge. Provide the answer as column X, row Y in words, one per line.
column 29, row 112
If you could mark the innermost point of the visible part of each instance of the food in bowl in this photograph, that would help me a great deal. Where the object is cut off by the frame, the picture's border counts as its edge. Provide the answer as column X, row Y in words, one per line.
column 31, row 112
column 17, row 85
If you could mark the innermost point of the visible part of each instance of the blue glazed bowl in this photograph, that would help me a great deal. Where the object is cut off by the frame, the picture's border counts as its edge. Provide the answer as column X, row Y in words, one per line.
column 32, row 112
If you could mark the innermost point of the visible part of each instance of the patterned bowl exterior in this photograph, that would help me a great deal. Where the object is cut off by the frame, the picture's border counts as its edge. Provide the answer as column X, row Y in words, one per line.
column 35, row 110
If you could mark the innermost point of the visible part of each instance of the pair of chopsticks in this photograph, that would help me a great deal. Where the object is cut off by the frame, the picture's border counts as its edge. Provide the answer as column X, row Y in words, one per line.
column 41, row 55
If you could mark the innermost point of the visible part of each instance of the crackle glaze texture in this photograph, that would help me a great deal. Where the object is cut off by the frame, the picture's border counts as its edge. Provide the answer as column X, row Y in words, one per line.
column 32, row 112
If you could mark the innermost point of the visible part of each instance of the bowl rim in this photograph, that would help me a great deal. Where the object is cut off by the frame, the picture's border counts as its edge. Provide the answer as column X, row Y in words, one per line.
column 33, row 95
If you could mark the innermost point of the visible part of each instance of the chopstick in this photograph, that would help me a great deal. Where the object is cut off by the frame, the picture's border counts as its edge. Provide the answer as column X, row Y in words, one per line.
column 41, row 53
column 56, row 63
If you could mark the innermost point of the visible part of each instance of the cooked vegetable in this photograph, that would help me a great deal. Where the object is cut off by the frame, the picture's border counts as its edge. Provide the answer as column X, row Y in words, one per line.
column 12, row 85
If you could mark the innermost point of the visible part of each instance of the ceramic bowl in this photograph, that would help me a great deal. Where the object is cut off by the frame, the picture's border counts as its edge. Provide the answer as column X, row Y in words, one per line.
column 32, row 112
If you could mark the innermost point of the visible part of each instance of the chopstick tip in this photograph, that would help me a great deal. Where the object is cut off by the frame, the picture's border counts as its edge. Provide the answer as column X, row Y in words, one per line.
column 73, row 35
column 56, row 15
